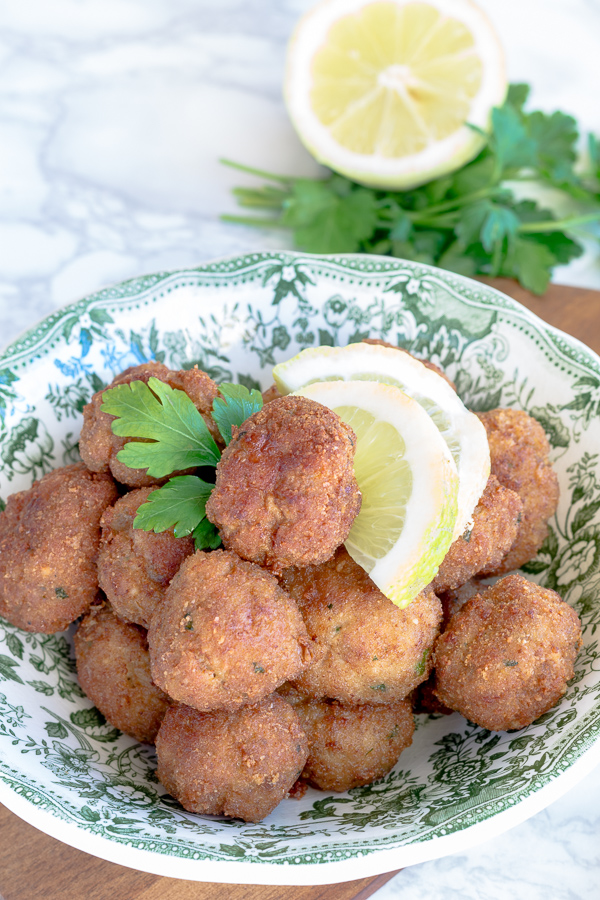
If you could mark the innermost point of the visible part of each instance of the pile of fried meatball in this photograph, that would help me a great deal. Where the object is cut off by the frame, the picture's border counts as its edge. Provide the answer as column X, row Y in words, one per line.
column 276, row 662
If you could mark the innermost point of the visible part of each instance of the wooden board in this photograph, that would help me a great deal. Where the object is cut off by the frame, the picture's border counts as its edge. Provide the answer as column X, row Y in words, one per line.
column 34, row 866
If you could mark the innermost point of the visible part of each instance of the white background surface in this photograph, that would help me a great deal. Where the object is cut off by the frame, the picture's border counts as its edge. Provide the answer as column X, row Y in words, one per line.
column 113, row 114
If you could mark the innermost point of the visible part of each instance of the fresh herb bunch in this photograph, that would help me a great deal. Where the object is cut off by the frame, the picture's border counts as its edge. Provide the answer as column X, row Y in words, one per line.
column 469, row 221
column 175, row 437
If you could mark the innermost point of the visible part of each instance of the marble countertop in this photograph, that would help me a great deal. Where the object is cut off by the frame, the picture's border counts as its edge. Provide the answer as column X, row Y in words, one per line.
column 113, row 115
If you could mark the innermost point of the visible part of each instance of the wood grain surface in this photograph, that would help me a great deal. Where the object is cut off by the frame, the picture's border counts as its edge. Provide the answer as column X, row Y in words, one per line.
column 34, row 866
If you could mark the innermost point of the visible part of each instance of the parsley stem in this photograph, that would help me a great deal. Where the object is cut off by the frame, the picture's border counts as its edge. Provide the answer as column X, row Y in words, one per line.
column 284, row 179
column 447, row 221
column 558, row 224
column 267, row 197
column 451, row 205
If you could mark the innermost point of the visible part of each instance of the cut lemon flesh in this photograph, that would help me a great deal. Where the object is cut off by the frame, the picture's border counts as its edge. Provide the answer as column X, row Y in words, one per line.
column 382, row 91
column 462, row 431
column 408, row 482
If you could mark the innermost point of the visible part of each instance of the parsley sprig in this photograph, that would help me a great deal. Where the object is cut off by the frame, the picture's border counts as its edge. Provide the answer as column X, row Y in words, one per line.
column 179, row 438
column 471, row 221
column 175, row 437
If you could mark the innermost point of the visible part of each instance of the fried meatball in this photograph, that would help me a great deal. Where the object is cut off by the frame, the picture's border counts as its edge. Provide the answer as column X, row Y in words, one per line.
column 519, row 459
column 426, row 362
column 271, row 393
column 113, row 667
column 423, row 697
column 286, row 492
column 99, row 446
column 495, row 523
column 136, row 566
column 349, row 746
column 238, row 763
column 372, row 651
column 49, row 539
column 225, row 634
column 506, row 656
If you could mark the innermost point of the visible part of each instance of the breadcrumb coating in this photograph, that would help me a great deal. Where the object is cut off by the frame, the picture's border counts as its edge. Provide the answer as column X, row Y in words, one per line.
column 370, row 650
column 285, row 492
column 482, row 548
column 237, row 763
column 225, row 634
column 353, row 745
column 507, row 655
column 49, row 538
column 519, row 459
column 113, row 667
column 135, row 567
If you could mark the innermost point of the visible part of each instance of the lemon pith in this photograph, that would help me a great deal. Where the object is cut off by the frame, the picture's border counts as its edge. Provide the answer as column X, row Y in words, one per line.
column 408, row 482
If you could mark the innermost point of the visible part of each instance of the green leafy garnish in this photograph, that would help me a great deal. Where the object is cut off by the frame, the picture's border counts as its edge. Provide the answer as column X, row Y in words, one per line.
column 470, row 221
column 237, row 405
column 421, row 666
column 179, row 439
column 206, row 536
column 180, row 505
column 175, row 434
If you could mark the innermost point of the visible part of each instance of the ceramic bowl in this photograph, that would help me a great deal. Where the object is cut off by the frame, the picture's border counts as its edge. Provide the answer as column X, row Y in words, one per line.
column 69, row 773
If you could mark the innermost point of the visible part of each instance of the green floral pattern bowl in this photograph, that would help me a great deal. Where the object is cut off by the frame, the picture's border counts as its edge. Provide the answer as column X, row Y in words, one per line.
column 69, row 773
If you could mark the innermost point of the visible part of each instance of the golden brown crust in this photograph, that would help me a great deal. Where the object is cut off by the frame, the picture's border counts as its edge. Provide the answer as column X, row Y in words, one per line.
column 482, row 548
column 99, row 446
column 271, row 393
column 353, row 745
column 113, row 667
column 225, row 634
column 506, row 656
column 239, row 764
column 519, row 456
column 135, row 567
column 49, row 538
column 372, row 652
column 285, row 492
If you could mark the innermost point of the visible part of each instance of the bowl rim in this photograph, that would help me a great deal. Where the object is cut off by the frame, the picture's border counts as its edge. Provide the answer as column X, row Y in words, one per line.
column 373, row 861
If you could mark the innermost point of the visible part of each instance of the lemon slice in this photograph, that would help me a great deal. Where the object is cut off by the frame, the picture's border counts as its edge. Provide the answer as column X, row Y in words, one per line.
column 383, row 91
column 462, row 430
column 408, row 482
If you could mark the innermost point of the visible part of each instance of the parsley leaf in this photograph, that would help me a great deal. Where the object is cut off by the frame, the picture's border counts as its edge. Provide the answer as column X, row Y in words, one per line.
column 330, row 218
column 179, row 504
column 238, row 404
column 499, row 223
column 175, row 434
column 175, row 437
column 555, row 137
column 509, row 141
column 206, row 536
column 469, row 221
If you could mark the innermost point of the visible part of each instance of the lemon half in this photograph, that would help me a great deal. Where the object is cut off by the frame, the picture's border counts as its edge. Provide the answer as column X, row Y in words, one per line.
column 382, row 91
column 461, row 429
column 408, row 482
